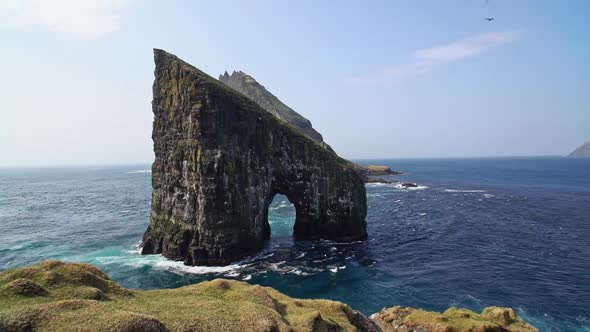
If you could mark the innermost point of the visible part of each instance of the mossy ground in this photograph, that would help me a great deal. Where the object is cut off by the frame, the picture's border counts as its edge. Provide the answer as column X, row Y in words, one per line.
column 452, row 320
column 58, row 296
column 376, row 168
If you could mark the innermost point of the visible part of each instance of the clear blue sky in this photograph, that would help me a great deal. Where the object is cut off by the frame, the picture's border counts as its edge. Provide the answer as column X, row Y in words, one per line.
column 379, row 79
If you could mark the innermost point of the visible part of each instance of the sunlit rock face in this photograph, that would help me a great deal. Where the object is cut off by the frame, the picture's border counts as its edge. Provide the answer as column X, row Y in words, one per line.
column 220, row 159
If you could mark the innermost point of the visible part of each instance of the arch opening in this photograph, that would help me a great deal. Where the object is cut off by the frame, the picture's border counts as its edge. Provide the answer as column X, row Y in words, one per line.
column 281, row 216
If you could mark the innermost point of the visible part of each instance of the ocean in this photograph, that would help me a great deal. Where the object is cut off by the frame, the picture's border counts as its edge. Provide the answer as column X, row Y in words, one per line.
column 509, row 232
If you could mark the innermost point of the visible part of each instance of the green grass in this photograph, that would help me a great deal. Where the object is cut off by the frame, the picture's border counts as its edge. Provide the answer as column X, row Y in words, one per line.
column 454, row 320
column 376, row 168
column 58, row 296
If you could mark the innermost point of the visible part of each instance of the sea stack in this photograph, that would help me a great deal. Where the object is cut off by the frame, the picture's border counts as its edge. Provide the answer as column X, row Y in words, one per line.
column 221, row 158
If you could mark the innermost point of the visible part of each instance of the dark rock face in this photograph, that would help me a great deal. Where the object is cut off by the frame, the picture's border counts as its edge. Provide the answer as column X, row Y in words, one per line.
column 581, row 151
column 221, row 158
column 247, row 85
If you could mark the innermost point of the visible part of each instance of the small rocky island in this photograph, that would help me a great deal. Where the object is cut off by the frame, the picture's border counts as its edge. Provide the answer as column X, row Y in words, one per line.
column 582, row 151
column 221, row 158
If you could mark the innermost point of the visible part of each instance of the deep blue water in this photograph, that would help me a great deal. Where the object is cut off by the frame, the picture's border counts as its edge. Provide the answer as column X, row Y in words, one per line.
column 500, row 231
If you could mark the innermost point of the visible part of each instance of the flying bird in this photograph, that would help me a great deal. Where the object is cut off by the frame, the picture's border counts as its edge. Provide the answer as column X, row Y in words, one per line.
column 489, row 19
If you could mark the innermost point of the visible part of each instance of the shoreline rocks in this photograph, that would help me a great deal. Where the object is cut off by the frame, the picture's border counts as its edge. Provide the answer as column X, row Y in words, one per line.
column 377, row 170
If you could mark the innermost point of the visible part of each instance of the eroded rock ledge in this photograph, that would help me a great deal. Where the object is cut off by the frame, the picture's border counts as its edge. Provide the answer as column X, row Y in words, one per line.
column 221, row 158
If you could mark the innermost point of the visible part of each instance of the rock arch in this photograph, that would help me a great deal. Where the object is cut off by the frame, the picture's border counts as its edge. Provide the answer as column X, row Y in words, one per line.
column 220, row 159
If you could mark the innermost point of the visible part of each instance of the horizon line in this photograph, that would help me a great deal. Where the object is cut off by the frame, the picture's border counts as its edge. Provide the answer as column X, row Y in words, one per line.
column 74, row 165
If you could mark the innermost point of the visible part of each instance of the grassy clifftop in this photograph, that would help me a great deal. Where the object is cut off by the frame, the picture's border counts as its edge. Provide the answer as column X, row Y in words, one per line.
column 58, row 296
column 492, row 319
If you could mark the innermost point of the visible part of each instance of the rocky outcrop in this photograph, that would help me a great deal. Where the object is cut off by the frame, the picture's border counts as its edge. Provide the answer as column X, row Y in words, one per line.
column 221, row 158
column 492, row 319
column 247, row 85
column 581, row 151
column 378, row 170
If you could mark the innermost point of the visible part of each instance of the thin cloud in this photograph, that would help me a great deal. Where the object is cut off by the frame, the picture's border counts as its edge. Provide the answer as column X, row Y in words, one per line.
column 85, row 19
column 424, row 60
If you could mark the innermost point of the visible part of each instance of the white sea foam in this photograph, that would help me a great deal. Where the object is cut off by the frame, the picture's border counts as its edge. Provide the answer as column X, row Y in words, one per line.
column 464, row 191
column 282, row 204
column 298, row 272
column 247, row 277
column 376, row 184
column 140, row 171
column 334, row 269
column 488, row 195
column 275, row 266
column 400, row 186
column 179, row 267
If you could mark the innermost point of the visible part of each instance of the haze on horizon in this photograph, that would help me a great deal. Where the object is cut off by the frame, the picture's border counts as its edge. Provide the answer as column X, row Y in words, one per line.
column 381, row 79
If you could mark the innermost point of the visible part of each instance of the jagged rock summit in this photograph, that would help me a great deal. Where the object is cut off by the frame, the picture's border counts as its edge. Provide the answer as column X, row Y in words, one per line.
column 221, row 158
column 247, row 85
column 582, row 151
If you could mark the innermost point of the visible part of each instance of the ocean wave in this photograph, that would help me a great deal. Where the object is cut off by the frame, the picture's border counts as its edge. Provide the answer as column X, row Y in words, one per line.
column 282, row 204
column 417, row 188
column 401, row 186
column 298, row 272
column 378, row 184
column 179, row 267
column 140, row 171
column 465, row 191
column 232, row 274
